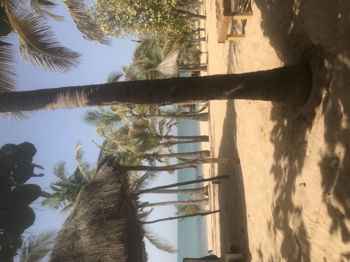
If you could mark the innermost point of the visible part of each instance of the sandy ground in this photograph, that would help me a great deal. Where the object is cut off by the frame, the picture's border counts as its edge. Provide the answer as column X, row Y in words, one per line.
column 289, row 198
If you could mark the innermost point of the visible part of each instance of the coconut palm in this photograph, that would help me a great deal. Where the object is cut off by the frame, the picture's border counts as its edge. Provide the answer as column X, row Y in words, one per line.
column 66, row 189
column 289, row 85
column 36, row 247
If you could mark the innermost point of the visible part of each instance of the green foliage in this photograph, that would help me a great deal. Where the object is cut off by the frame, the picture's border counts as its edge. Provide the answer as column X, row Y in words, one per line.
column 150, row 53
column 35, row 248
column 66, row 189
column 183, row 210
column 158, row 242
column 140, row 17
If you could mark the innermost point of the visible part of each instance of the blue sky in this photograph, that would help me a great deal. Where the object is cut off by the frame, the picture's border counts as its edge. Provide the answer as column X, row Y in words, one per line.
column 55, row 133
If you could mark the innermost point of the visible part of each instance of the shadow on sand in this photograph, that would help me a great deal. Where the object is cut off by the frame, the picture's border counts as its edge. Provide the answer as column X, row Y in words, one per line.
column 233, row 215
column 317, row 30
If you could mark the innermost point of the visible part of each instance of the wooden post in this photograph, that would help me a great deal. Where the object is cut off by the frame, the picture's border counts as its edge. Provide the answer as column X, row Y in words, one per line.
column 224, row 24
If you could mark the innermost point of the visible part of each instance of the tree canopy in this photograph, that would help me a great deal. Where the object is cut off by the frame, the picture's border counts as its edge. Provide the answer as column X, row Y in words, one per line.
column 140, row 17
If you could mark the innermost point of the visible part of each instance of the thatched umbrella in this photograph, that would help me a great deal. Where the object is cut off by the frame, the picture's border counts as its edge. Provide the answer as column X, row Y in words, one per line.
column 103, row 224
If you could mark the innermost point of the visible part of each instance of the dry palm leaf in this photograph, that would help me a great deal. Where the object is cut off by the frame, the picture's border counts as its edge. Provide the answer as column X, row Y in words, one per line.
column 84, row 22
column 168, row 66
column 42, row 7
column 37, row 44
column 7, row 74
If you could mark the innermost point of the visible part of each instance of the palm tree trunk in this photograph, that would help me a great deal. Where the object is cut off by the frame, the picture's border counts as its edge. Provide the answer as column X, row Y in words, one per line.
column 182, row 184
column 155, row 156
column 198, row 191
column 172, row 143
column 197, row 138
column 188, row 164
column 198, row 117
column 288, row 85
column 180, row 217
column 203, row 201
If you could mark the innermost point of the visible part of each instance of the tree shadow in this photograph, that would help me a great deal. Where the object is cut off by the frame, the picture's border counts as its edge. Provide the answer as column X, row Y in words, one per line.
column 313, row 30
column 335, row 164
column 233, row 215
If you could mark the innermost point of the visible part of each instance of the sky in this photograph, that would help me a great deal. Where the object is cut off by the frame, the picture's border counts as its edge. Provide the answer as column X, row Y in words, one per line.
column 55, row 133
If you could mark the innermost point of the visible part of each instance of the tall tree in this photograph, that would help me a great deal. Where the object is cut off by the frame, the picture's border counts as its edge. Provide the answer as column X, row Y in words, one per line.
column 148, row 17
column 289, row 85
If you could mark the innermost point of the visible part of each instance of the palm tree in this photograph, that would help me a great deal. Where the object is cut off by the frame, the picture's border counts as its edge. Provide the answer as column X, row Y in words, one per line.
column 35, row 248
column 289, row 85
column 66, row 188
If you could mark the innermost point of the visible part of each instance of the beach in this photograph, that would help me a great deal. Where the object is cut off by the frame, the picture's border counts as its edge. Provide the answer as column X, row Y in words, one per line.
column 288, row 197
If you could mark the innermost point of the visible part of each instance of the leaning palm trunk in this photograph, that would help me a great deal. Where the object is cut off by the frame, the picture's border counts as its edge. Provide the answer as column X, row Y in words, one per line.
column 199, row 191
column 198, row 138
column 196, row 181
column 187, row 164
column 198, row 117
column 171, row 143
column 156, row 156
column 203, row 201
column 288, row 85
column 181, row 217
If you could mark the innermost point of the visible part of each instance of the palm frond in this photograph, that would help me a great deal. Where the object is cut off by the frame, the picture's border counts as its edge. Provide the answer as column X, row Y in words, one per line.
column 37, row 44
column 84, row 22
column 60, row 170
column 42, row 7
column 114, row 77
column 83, row 166
column 7, row 74
column 158, row 242
column 36, row 247
column 168, row 66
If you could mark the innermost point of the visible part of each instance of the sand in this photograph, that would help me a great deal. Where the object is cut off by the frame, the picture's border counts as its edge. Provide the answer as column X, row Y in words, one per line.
column 289, row 198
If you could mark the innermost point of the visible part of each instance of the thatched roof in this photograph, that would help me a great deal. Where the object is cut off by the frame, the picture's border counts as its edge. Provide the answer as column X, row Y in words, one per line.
column 103, row 224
